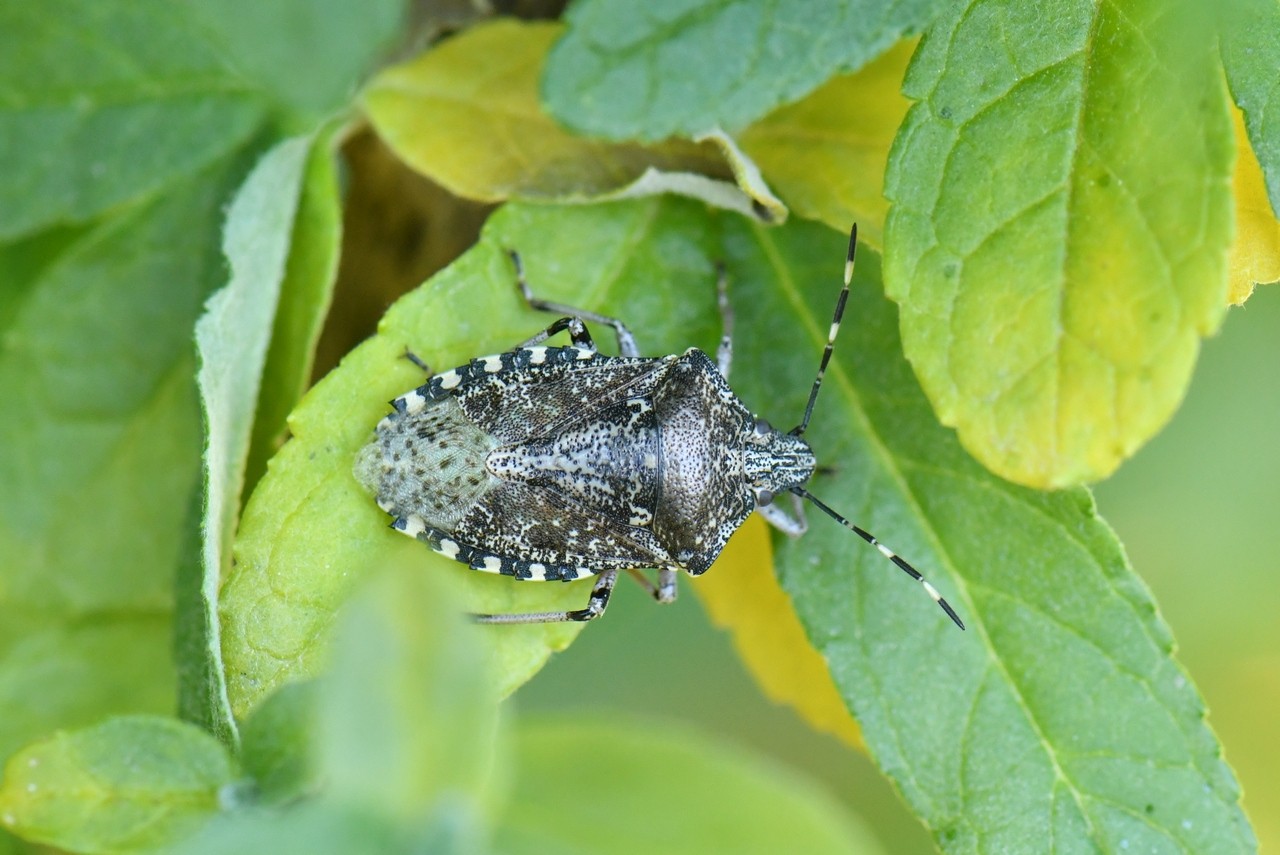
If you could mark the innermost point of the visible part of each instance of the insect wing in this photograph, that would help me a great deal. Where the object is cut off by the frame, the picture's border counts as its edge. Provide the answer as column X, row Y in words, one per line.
column 538, row 400
column 540, row 524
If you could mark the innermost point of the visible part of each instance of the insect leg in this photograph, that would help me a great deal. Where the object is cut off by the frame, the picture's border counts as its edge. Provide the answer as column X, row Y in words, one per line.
column 626, row 341
column 417, row 360
column 594, row 608
column 784, row 522
column 724, row 352
column 665, row 590
column 578, row 332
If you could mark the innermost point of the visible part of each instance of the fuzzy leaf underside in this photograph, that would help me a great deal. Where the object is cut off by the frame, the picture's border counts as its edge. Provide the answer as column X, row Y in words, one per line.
column 124, row 129
column 407, row 717
column 394, row 749
column 231, row 343
column 98, row 360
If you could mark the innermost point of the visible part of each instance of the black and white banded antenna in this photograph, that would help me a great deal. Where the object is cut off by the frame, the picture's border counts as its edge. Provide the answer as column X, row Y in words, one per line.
column 799, row 429
column 886, row 552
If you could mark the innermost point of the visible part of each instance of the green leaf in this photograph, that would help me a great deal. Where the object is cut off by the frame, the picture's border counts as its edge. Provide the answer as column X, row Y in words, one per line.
column 466, row 114
column 126, row 785
column 310, row 532
column 70, row 673
column 396, row 741
column 1061, row 709
column 651, row 70
column 1060, row 217
column 84, row 88
column 277, row 745
column 662, row 788
column 100, row 432
column 407, row 715
column 1061, row 714
column 231, row 343
column 1250, row 54
column 309, row 55
column 311, row 828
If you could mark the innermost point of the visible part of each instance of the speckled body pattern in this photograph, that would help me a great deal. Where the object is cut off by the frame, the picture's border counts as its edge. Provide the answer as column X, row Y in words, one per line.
column 553, row 463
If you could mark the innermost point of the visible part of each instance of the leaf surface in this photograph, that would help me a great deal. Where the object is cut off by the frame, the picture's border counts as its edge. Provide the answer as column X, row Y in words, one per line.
column 1250, row 55
column 231, row 343
column 466, row 114
column 310, row 532
column 826, row 154
column 307, row 56
column 81, row 86
column 100, row 432
column 649, row 71
column 1060, row 218
column 1061, row 712
column 1255, row 249
column 305, row 297
column 395, row 748
column 130, row 784
column 407, row 716
column 310, row 828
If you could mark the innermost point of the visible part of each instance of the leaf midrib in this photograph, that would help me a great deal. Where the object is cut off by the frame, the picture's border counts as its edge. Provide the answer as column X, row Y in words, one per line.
column 889, row 465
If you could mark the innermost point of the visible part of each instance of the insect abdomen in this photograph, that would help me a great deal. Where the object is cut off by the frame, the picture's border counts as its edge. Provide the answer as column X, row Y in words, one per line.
column 429, row 463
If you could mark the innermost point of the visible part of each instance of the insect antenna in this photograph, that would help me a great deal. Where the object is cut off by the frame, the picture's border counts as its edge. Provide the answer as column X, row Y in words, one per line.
column 886, row 552
column 831, row 335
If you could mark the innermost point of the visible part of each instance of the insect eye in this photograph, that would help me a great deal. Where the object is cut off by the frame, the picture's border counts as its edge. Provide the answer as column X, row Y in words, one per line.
column 763, row 428
column 764, row 497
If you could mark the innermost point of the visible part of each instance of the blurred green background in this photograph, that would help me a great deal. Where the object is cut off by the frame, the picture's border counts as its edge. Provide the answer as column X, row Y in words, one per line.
column 1197, row 510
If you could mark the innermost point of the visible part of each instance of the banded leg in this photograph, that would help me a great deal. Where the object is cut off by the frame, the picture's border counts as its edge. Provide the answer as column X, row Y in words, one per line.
column 594, row 608
column 578, row 334
column 665, row 591
column 626, row 341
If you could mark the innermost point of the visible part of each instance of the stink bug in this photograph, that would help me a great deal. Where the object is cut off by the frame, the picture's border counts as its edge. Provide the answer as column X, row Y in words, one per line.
column 555, row 463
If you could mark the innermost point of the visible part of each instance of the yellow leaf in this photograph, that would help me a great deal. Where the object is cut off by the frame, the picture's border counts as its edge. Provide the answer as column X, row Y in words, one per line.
column 467, row 115
column 742, row 595
column 826, row 154
column 1255, row 251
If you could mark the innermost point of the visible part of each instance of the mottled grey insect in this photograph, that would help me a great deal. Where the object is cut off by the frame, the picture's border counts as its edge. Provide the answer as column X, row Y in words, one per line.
column 555, row 463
